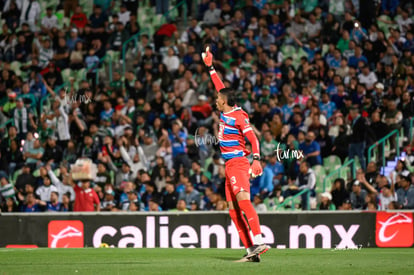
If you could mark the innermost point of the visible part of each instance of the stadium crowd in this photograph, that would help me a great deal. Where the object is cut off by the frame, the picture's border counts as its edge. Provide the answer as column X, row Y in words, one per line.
column 327, row 77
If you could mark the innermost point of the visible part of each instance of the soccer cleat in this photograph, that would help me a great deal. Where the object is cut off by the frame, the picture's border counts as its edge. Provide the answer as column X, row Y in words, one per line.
column 249, row 258
column 259, row 249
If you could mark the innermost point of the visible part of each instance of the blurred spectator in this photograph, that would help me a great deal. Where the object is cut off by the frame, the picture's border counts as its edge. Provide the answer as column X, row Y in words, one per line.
column 405, row 192
column 358, row 137
column 393, row 118
column 171, row 61
column 153, row 205
column 387, row 196
column 108, row 203
column 63, row 186
column 326, row 202
column 34, row 156
column 357, row 196
column 49, row 22
column 23, row 119
column 258, row 204
column 212, row 15
column 305, row 180
column 181, row 206
column 6, row 189
column 78, row 19
column 44, row 191
column 86, row 198
column 53, row 152
column 52, row 204
column 30, row 13
column 169, row 197
column 311, row 150
column 9, row 206
column 132, row 204
column 117, row 38
column 24, row 178
column 178, row 143
column 30, row 204
column 189, row 195
column 339, row 193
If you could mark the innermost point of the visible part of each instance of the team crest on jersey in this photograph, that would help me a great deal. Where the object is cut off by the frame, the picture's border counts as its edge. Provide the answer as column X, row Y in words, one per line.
column 246, row 120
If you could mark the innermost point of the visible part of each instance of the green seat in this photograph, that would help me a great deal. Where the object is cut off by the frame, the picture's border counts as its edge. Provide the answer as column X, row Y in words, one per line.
column 15, row 175
column 112, row 176
column 325, row 49
column 288, row 50
column 332, row 163
column 320, row 176
column 301, row 53
column 113, row 55
column 15, row 66
column 271, row 204
column 66, row 74
column 56, row 172
column 36, row 173
column 346, row 173
column 384, row 26
column 207, row 162
column 266, row 202
column 81, row 74
column 158, row 20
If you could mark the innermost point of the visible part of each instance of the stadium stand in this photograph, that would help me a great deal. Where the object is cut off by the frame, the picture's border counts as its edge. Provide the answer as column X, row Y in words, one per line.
column 122, row 83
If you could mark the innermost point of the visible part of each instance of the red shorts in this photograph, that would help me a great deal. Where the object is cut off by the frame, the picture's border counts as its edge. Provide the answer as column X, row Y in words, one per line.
column 237, row 177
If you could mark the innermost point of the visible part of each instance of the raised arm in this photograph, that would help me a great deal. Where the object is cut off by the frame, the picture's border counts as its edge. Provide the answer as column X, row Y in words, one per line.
column 207, row 57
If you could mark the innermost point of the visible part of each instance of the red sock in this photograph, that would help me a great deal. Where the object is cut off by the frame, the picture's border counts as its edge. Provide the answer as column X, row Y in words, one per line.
column 251, row 215
column 242, row 227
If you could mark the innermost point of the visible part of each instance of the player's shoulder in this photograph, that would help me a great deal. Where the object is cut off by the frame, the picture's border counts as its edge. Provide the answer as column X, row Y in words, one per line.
column 239, row 112
column 241, row 117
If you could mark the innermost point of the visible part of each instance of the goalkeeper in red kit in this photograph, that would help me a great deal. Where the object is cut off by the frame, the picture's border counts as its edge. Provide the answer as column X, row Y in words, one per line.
column 234, row 127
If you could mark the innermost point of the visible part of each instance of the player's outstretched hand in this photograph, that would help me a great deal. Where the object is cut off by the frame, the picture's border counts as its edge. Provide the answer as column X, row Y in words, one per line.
column 256, row 169
column 207, row 57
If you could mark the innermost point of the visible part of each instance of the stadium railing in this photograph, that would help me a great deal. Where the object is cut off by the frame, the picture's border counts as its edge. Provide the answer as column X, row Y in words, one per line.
column 126, row 43
column 292, row 200
column 382, row 143
column 106, row 60
column 338, row 172
column 183, row 3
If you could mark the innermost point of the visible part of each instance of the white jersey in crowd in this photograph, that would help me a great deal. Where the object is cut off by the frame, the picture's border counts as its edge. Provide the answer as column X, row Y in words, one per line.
column 63, row 125
column 44, row 192
column 50, row 22
column 385, row 201
column 61, row 187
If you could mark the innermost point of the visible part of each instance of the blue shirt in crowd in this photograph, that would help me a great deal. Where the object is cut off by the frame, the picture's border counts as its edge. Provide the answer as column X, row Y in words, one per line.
column 311, row 148
column 178, row 147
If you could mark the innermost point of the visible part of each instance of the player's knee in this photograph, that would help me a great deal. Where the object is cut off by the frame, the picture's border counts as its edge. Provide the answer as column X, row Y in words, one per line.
column 243, row 195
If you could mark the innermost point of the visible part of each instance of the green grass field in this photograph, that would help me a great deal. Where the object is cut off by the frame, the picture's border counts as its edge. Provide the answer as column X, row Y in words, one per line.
column 204, row 261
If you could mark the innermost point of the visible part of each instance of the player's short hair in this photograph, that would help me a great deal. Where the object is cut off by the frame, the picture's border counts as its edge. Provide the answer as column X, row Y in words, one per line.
column 230, row 95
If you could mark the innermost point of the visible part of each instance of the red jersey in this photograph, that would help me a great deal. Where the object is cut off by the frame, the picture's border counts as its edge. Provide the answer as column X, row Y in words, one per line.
column 167, row 29
column 85, row 199
column 79, row 20
column 204, row 109
column 233, row 127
